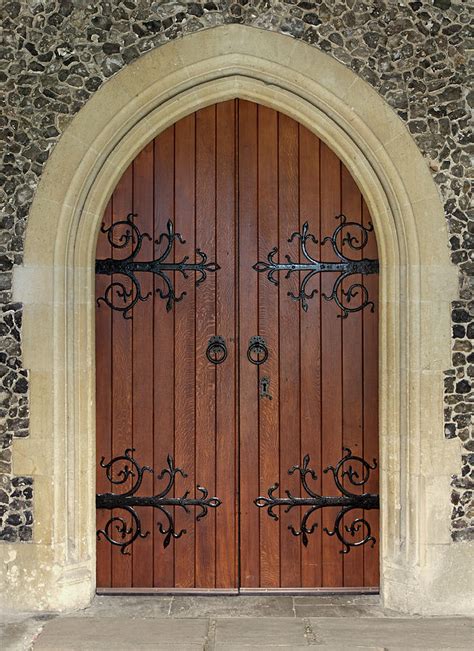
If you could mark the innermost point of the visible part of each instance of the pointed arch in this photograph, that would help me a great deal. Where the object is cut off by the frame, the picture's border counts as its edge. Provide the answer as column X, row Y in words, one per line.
column 418, row 281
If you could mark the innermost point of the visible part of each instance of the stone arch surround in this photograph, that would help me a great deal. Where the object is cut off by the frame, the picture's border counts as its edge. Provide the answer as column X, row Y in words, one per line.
column 418, row 281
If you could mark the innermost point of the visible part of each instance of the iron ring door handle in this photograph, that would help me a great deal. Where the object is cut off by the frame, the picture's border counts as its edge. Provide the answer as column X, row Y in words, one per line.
column 257, row 352
column 216, row 351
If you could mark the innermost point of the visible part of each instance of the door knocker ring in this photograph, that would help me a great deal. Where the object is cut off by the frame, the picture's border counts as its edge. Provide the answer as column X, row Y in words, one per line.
column 257, row 352
column 216, row 351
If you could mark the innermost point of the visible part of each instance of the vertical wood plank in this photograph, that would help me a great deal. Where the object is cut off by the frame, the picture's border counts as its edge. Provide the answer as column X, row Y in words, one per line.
column 184, row 346
column 205, row 329
column 248, row 324
column 157, row 392
column 371, row 407
column 331, row 365
column 142, row 363
column 352, row 372
column 103, row 337
column 268, row 329
column 122, row 377
column 226, row 277
column 310, row 349
column 163, row 357
column 290, row 450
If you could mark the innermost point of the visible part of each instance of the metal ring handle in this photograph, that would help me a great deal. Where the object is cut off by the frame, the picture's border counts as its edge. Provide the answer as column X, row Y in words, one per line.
column 216, row 351
column 257, row 352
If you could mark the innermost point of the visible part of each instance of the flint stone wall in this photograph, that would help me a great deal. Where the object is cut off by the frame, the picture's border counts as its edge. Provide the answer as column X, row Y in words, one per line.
column 56, row 54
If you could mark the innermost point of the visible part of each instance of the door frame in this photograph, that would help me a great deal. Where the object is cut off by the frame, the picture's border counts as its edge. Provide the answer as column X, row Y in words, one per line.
column 417, row 283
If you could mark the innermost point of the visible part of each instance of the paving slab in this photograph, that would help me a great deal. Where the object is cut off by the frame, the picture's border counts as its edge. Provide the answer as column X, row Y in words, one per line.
column 320, row 647
column 245, row 622
column 17, row 636
column 389, row 633
column 338, row 599
column 240, row 647
column 122, row 632
column 230, row 606
column 266, row 632
column 19, row 630
column 331, row 610
column 131, row 605
column 101, row 645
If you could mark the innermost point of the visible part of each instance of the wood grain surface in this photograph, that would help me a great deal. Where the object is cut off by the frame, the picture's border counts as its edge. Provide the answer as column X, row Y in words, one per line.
column 237, row 179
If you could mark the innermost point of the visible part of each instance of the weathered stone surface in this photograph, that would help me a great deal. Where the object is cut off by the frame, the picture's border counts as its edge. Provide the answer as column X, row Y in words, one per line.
column 326, row 622
column 57, row 54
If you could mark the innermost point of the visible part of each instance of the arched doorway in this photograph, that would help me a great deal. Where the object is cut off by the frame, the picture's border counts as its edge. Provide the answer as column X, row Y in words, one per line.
column 235, row 368
column 56, row 286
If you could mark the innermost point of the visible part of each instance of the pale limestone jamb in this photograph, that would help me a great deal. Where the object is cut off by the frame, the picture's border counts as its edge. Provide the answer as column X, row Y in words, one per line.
column 417, row 282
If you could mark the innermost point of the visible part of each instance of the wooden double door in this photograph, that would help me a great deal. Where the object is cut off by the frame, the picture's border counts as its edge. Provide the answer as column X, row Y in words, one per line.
column 183, row 383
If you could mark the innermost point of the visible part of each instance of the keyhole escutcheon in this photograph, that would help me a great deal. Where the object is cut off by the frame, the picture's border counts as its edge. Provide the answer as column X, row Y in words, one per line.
column 265, row 387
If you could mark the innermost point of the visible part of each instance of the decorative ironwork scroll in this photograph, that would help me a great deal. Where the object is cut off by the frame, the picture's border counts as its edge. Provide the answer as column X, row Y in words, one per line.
column 122, row 298
column 347, row 502
column 346, row 267
column 118, row 470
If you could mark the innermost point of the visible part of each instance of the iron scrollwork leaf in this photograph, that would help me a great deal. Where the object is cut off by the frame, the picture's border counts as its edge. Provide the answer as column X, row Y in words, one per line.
column 123, row 467
column 124, row 293
column 357, row 470
column 345, row 267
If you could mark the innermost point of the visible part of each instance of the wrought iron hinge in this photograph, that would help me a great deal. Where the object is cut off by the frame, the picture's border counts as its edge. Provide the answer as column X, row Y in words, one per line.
column 346, row 267
column 127, row 468
column 117, row 296
column 347, row 502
